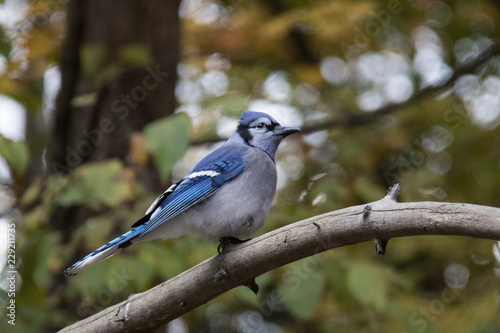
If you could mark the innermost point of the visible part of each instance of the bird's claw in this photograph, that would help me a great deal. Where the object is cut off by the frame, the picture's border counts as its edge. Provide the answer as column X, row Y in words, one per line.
column 224, row 241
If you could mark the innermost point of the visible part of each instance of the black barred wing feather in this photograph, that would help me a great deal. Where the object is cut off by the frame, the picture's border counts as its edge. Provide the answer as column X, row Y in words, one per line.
column 194, row 188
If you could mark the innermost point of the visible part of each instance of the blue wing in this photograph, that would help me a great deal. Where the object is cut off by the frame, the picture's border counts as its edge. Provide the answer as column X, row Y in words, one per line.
column 201, row 183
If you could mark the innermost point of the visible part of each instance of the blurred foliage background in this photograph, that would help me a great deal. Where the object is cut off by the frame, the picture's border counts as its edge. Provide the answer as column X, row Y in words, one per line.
column 304, row 62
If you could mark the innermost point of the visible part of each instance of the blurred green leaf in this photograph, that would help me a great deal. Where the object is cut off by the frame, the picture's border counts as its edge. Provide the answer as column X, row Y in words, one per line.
column 135, row 54
column 369, row 190
column 167, row 140
column 368, row 283
column 16, row 155
column 302, row 290
column 93, row 58
column 5, row 44
column 231, row 103
column 84, row 101
column 33, row 192
column 97, row 185
column 47, row 260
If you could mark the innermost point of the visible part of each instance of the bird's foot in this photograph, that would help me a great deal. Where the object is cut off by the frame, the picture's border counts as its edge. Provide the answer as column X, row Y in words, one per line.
column 224, row 241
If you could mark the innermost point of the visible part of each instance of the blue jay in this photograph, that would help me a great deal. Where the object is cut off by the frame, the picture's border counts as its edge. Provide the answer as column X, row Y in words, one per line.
column 225, row 197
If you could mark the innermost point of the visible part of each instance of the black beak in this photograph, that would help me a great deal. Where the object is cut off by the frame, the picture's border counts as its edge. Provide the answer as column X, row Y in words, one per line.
column 285, row 131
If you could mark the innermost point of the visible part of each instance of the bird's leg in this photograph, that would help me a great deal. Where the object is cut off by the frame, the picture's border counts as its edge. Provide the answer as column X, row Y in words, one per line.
column 224, row 241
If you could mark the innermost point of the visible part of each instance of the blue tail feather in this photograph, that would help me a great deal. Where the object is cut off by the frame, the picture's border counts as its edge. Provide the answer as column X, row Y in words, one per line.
column 105, row 251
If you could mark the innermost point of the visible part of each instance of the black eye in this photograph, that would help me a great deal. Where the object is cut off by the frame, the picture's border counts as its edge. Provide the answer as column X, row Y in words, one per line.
column 260, row 125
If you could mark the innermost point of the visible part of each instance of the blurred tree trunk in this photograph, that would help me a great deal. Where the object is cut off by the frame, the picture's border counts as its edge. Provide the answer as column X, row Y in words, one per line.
column 118, row 73
column 104, row 97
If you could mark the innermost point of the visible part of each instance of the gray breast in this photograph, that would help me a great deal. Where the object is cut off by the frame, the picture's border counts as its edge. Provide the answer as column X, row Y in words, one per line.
column 239, row 208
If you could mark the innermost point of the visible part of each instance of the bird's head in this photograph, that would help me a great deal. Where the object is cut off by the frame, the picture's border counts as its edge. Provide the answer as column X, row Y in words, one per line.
column 262, row 131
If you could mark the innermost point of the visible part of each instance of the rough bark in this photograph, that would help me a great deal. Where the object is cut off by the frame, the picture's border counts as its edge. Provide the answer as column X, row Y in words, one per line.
column 241, row 264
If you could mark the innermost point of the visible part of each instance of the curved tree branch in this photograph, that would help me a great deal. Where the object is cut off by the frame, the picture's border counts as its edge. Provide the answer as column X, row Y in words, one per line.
column 358, row 118
column 241, row 264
